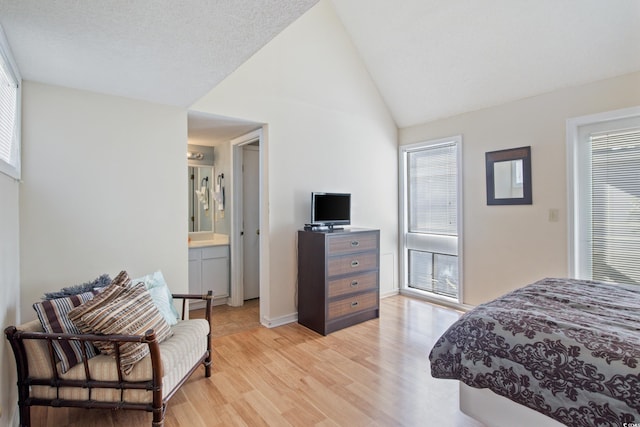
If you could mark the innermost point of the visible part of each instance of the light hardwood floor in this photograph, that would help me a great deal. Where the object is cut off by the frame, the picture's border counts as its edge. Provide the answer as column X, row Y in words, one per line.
column 372, row 374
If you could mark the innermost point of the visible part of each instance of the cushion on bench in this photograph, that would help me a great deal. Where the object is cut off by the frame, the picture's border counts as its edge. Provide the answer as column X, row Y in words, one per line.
column 179, row 354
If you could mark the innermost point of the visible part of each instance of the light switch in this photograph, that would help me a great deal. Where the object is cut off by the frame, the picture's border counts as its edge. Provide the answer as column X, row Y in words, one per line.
column 554, row 215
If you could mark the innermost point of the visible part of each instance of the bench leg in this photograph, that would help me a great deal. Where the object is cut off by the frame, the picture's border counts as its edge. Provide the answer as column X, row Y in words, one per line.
column 158, row 416
column 207, row 367
column 25, row 415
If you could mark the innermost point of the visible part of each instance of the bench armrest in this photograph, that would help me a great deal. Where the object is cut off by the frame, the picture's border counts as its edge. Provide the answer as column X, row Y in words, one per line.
column 207, row 315
column 208, row 297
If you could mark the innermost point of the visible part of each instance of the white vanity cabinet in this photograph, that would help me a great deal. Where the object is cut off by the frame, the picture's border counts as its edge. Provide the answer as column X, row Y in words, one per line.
column 208, row 270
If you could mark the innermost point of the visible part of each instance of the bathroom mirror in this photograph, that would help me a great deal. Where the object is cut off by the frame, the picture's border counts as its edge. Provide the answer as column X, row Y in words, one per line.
column 200, row 181
column 509, row 176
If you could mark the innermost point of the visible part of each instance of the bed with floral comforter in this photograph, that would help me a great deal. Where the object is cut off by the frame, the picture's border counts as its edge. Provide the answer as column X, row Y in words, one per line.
column 569, row 349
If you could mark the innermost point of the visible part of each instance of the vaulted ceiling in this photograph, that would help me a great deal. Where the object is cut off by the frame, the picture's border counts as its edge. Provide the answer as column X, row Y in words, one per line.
column 437, row 58
column 429, row 58
column 165, row 51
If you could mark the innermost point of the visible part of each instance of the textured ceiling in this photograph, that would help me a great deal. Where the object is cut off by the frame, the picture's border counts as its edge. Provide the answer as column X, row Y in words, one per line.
column 437, row 58
column 429, row 58
column 165, row 51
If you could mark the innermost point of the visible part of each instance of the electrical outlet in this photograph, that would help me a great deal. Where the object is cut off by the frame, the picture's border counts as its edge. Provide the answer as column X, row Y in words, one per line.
column 554, row 215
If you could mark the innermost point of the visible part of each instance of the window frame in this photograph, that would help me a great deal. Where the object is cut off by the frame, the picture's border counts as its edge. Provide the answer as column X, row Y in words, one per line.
column 404, row 220
column 577, row 252
column 13, row 170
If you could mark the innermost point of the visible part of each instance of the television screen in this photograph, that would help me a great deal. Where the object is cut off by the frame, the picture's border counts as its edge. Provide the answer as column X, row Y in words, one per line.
column 331, row 208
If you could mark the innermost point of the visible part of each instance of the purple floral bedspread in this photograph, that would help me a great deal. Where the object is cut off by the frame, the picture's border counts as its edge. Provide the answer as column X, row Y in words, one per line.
column 569, row 349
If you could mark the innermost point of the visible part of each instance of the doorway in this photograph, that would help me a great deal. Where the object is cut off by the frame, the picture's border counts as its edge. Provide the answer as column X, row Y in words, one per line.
column 221, row 133
column 604, row 159
column 248, row 230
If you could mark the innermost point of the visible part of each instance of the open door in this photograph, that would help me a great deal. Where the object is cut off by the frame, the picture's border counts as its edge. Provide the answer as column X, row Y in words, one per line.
column 249, row 230
column 251, row 219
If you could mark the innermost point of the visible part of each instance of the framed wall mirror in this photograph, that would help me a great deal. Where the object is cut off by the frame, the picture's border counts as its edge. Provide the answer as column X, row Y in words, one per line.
column 200, row 181
column 509, row 176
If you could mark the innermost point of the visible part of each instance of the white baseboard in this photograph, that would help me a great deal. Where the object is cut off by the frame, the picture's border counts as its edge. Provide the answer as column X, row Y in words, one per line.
column 390, row 293
column 279, row 321
column 445, row 302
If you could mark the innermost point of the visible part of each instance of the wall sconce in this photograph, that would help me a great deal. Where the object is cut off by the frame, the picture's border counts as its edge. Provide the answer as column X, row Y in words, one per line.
column 193, row 155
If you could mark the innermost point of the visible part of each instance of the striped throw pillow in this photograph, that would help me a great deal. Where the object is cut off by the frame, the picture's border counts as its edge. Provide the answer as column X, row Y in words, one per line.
column 122, row 279
column 107, row 295
column 123, row 311
column 54, row 317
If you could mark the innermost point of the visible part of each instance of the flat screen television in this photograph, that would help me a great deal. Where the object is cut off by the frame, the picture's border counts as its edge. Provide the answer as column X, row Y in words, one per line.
column 331, row 209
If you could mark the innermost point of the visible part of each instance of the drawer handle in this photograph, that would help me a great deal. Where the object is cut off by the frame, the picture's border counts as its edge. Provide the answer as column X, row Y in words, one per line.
column 355, row 243
column 354, row 283
column 354, row 304
column 355, row 263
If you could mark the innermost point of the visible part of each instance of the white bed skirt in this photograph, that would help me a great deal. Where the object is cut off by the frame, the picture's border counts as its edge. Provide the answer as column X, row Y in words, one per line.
column 496, row 411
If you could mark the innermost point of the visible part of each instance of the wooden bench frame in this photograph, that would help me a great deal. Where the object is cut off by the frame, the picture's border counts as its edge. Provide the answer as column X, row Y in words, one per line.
column 158, row 404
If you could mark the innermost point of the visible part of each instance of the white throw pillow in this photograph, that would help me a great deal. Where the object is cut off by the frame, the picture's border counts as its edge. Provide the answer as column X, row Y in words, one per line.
column 161, row 295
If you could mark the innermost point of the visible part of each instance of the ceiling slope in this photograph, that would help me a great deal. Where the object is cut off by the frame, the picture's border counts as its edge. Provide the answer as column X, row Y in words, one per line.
column 437, row 58
column 429, row 58
column 164, row 51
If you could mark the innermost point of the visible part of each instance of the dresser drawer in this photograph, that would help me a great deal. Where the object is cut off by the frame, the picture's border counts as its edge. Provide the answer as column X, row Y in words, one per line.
column 353, row 304
column 355, row 263
column 349, row 243
column 357, row 283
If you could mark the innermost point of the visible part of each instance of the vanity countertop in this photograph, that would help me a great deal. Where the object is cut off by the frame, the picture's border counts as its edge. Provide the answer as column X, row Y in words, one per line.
column 215, row 240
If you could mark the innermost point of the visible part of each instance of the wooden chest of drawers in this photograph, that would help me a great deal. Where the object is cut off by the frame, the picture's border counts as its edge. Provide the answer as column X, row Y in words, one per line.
column 338, row 278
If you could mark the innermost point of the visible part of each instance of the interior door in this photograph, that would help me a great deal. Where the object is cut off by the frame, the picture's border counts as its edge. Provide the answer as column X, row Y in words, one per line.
column 251, row 220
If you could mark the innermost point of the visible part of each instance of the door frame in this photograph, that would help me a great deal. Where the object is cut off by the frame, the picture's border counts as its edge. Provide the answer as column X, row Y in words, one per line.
column 235, row 239
column 575, row 227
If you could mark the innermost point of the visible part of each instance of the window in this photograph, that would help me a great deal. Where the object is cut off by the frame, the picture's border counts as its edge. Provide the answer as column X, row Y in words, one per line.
column 606, row 199
column 10, row 91
column 431, row 218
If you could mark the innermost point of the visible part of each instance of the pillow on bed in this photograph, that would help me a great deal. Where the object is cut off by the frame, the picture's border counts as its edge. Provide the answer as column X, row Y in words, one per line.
column 54, row 317
column 123, row 311
column 161, row 295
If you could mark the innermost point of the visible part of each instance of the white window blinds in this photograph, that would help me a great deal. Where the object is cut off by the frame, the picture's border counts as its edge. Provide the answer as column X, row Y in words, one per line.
column 9, row 113
column 615, row 206
column 433, row 190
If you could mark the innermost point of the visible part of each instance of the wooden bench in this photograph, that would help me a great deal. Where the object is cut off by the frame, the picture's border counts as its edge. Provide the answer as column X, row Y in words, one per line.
column 99, row 382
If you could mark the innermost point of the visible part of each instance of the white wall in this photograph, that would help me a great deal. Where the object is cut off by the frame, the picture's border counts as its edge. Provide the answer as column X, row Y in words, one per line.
column 222, row 165
column 328, row 130
column 506, row 247
column 9, row 294
column 104, row 189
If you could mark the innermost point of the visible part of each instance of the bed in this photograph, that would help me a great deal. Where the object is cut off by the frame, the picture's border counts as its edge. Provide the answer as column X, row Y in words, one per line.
column 566, row 348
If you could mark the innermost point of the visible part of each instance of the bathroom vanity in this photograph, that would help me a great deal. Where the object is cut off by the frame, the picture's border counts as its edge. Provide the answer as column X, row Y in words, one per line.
column 208, row 267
